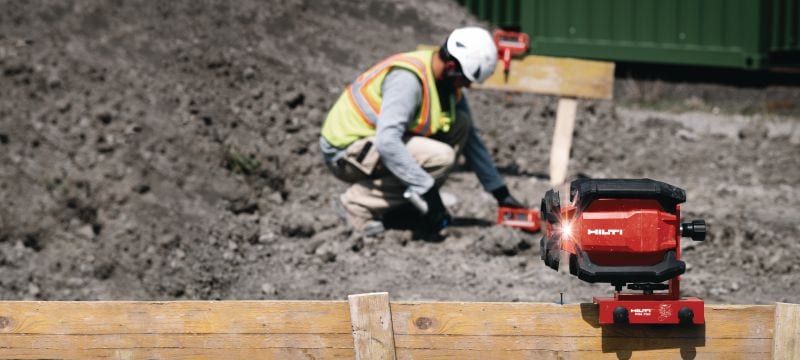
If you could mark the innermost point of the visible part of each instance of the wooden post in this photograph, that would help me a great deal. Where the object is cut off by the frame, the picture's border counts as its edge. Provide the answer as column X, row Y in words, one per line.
column 786, row 340
column 562, row 140
column 373, row 336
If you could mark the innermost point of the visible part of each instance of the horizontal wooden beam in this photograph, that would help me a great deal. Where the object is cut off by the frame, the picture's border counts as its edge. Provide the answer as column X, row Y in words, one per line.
column 572, row 331
column 553, row 76
column 179, row 317
column 323, row 330
column 204, row 353
column 575, row 320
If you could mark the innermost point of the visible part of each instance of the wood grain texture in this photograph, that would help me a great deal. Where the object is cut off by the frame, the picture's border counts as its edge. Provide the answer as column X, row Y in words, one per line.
column 787, row 332
column 175, row 330
column 175, row 354
column 372, row 326
column 436, row 354
column 529, row 331
column 416, row 330
column 179, row 317
column 544, row 319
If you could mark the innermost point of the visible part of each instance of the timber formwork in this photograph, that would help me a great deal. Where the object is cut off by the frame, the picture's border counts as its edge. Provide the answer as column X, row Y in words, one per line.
column 369, row 326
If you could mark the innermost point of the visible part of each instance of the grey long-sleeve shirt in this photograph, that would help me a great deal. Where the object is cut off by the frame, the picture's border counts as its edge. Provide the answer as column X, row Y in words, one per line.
column 402, row 96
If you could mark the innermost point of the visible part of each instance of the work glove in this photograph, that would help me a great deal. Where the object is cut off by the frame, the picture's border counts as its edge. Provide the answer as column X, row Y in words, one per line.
column 505, row 199
column 437, row 218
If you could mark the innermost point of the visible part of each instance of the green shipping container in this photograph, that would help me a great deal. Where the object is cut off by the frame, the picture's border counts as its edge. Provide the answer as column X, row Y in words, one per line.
column 748, row 34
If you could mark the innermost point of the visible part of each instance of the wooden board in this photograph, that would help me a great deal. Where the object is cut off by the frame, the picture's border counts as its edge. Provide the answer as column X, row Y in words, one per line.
column 556, row 76
column 520, row 331
column 175, row 330
column 178, row 317
column 372, row 326
column 552, row 75
column 787, row 332
column 323, row 330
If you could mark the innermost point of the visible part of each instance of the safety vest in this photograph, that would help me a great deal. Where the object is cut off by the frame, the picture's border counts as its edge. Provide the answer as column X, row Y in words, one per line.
column 356, row 112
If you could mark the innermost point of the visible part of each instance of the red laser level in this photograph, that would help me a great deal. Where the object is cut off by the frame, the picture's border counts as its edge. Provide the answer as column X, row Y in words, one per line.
column 510, row 43
column 624, row 232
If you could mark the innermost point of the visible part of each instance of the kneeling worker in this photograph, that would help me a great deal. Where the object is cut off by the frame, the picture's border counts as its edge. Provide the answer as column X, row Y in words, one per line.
column 396, row 132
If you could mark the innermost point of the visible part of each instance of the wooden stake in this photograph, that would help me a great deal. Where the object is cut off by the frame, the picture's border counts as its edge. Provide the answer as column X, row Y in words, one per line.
column 562, row 140
column 786, row 341
column 373, row 336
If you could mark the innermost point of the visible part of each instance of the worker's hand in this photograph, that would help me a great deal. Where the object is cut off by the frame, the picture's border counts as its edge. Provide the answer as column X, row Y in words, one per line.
column 505, row 199
column 437, row 217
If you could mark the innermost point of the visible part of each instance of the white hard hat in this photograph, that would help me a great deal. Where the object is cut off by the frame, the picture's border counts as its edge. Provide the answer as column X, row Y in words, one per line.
column 475, row 51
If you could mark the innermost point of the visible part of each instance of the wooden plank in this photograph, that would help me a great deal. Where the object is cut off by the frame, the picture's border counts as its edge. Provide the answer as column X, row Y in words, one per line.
column 437, row 354
column 323, row 330
column 522, row 331
column 553, row 76
column 553, row 320
column 372, row 326
column 562, row 140
column 580, row 343
column 180, row 317
column 787, row 332
column 167, row 341
column 281, row 354
column 176, row 354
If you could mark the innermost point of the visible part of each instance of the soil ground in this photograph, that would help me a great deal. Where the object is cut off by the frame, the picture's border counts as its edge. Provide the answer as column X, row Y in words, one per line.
column 168, row 150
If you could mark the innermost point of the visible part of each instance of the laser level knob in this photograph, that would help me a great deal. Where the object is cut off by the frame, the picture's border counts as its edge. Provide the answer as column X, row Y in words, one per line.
column 685, row 315
column 620, row 315
column 695, row 230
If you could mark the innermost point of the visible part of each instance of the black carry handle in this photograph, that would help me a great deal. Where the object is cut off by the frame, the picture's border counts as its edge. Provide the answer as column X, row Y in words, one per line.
column 588, row 190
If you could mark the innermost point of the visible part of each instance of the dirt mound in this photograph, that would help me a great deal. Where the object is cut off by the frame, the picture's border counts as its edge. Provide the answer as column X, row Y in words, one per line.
column 169, row 151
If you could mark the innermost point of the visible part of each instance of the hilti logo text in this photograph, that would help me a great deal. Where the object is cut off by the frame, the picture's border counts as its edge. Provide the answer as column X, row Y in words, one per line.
column 605, row 232
column 642, row 312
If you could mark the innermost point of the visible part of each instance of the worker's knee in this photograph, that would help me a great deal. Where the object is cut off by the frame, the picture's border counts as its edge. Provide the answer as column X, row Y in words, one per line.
column 440, row 157
column 431, row 154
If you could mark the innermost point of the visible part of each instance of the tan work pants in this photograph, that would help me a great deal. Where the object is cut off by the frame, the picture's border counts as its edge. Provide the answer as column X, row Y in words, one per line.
column 375, row 190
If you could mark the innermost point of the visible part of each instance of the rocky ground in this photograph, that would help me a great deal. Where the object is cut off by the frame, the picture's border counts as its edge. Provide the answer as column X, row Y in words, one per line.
column 168, row 150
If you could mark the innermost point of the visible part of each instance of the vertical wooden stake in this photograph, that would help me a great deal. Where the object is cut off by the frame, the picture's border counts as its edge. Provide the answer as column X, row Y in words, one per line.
column 562, row 140
column 371, row 318
column 786, row 339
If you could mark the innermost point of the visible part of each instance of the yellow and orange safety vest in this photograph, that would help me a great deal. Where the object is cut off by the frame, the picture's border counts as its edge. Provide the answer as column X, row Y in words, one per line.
column 356, row 112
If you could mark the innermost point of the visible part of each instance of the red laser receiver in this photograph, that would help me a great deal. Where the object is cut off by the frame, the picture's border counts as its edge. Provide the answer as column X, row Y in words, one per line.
column 519, row 218
column 510, row 42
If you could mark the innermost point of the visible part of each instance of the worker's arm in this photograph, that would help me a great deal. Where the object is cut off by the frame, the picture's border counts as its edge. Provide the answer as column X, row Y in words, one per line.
column 476, row 154
column 478, row 159
column 402, row 95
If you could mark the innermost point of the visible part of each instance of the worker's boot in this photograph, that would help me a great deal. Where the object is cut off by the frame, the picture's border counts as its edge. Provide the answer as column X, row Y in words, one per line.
column 365, row 225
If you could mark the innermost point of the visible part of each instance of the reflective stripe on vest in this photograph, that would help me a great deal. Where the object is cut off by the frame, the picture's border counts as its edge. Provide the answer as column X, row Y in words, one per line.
column 368, row 110
column 355, row 114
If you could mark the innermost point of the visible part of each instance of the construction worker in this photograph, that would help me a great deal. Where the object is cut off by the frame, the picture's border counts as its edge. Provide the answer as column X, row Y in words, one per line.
column 397, row 130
